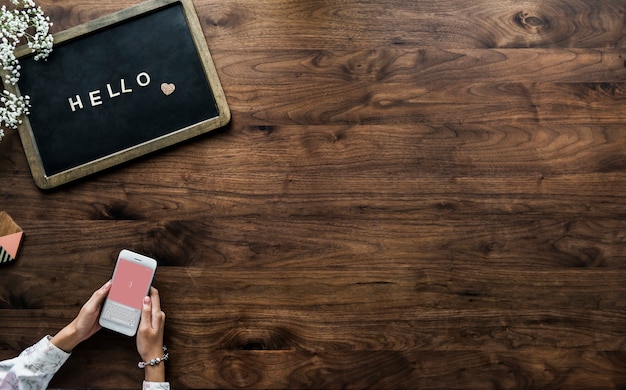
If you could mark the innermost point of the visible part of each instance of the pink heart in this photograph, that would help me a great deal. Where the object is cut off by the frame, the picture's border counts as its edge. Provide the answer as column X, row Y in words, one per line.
column 168, row 88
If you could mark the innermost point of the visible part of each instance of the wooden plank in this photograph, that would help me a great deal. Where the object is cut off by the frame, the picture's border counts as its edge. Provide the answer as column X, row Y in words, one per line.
column 359, row 24
column 375, row 293
column 360, row 197
column 247, row 335
column 304, row 241
column 425, row 67
column 366, row 24
column 430, row 370
column 374, row 166
column 378, row 103
column 524, row 368
column 240, row 328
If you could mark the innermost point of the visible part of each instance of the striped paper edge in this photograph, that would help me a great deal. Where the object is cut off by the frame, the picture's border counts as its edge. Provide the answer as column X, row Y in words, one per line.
column 5, row 257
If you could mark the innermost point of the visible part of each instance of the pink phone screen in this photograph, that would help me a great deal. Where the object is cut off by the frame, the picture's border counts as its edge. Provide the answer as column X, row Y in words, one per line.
column 130, row 283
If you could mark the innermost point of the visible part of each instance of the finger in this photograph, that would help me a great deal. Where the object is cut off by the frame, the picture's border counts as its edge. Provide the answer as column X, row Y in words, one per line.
column 156, row 299
column 98, row 297
column 103, row 291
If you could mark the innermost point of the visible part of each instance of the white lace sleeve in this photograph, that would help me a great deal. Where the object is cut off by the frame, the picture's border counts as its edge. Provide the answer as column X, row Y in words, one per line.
column 156, row 385
column 33, row 368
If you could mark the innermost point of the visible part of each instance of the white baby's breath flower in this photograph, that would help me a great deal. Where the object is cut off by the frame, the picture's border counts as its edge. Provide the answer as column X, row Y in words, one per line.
column 13, row 108
column 26, row 23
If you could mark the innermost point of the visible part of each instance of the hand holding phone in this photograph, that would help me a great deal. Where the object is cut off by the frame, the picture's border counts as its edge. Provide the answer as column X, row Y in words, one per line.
column 85, row 324
column 131, row 282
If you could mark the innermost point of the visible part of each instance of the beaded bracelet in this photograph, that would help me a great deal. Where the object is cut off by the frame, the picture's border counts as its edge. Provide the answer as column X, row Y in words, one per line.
column 155, row 361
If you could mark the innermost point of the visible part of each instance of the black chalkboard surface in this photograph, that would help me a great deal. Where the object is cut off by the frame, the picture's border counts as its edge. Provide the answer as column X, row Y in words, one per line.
column 117, row 88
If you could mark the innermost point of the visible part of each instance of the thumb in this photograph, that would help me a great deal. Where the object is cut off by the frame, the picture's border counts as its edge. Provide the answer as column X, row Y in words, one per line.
column 146, row 312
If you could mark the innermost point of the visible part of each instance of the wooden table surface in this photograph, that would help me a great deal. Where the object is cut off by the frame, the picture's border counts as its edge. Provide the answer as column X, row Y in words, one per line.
column 410, row 194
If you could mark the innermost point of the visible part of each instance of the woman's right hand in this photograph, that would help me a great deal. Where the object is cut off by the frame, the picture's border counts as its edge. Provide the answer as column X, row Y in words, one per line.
column 150, row 336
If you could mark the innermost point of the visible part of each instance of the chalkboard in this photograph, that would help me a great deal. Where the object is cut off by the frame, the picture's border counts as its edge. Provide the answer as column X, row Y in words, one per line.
column 117, row 88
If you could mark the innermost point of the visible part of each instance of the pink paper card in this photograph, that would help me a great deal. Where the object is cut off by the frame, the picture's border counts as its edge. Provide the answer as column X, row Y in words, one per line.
column 10, row 238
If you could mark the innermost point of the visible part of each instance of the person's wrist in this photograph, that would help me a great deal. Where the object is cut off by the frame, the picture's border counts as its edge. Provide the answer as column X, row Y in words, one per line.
column 155, row 373
column 154, row 363
column 153, row 353
column 67, row 338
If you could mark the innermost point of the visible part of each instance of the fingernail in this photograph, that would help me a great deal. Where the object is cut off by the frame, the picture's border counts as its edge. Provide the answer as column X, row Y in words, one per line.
column 146, row 301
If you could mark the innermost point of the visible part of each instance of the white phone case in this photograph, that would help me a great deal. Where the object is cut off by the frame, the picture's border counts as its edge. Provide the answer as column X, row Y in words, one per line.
column 132, row 279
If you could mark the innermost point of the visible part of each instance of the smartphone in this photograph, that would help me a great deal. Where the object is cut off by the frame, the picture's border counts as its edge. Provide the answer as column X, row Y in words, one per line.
column 132, row 279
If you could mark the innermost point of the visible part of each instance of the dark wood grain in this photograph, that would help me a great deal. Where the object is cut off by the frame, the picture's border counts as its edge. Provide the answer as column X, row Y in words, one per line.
column 409, row 195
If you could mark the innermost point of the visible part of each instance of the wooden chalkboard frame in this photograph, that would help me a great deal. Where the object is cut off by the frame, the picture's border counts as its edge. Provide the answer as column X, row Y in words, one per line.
column 29, row 142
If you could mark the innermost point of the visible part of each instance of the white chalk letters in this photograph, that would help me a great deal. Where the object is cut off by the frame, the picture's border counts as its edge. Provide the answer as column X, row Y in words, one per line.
column 95, row 97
